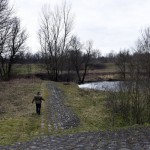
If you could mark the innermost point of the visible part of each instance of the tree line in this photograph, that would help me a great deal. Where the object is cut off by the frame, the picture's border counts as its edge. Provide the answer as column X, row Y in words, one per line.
column 62, row 52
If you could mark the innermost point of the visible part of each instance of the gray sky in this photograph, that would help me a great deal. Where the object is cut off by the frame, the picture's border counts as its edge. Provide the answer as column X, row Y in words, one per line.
column 111, row 24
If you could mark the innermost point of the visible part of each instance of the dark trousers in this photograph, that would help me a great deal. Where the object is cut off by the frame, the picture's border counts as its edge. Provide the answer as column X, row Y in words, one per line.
column 38, row 109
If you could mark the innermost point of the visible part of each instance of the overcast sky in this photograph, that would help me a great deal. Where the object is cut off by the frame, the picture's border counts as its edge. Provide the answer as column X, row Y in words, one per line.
column 111, row 24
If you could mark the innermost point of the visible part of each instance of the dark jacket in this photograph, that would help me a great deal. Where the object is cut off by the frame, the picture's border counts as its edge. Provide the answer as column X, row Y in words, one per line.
column 37, row 99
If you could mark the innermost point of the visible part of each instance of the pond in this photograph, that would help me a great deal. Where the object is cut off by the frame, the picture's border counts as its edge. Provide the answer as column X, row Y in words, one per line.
column 102, row 85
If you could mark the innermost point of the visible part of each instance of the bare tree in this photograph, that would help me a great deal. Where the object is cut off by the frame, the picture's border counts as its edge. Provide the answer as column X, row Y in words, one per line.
column 87, row 57
column 143, row 73
column 54, row 34
column 133, row 102
column 76, row 55
column 12, row 42
column 122, row 62
column 5, row 13
column 143, row 48
column 79, row 58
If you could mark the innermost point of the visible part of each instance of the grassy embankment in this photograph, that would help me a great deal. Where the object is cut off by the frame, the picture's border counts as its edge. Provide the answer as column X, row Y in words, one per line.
column 89, row 105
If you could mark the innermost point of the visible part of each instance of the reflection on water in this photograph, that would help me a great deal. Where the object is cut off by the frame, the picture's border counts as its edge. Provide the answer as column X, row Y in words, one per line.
column 103, row 85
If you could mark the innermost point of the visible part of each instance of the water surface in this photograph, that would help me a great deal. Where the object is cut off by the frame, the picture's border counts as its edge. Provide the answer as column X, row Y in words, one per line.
column 102, row 85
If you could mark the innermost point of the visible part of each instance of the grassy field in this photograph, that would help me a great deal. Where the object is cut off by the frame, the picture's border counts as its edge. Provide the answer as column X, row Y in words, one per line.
column 27, row 69
column 18, row 121
column 17, row 113
column 18, row 117
column 108, row 72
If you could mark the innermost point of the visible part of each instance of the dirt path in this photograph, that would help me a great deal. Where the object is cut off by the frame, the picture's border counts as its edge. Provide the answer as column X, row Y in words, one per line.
column 61, row 117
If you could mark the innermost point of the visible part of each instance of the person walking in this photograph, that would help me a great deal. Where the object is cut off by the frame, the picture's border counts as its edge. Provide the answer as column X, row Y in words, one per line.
column 38, row 101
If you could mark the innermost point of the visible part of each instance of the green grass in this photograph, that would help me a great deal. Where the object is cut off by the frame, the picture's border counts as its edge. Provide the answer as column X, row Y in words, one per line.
column 27, row 69
column 18, row 120
column 19, row 129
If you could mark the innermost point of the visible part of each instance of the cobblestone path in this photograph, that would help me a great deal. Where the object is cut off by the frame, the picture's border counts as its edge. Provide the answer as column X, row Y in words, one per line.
column 59, row 115
column 123, row 139
column 130, row 139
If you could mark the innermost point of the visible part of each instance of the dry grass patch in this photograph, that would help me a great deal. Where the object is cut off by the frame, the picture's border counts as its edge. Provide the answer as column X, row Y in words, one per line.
column 17, row 113
column 16, row 97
